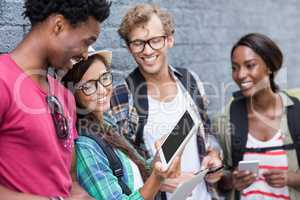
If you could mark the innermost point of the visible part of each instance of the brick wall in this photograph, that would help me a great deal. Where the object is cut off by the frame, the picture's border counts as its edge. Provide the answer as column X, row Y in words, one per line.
column 206, row 30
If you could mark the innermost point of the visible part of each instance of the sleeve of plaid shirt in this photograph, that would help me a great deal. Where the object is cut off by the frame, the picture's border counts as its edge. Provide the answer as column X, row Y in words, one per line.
column 123, row 111
column 211, row 140
column 95, row 175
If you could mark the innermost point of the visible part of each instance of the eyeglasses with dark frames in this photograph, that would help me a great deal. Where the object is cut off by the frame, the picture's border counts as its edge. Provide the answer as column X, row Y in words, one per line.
column 91, row 86
column 156, row 43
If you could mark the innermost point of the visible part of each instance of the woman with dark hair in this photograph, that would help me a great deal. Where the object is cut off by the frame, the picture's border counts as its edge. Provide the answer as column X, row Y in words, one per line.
column 91, row 83
column 259, row 111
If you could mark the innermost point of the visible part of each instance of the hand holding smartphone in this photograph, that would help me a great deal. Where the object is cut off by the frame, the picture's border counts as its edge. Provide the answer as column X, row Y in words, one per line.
column 241, row 179
column 249, row 165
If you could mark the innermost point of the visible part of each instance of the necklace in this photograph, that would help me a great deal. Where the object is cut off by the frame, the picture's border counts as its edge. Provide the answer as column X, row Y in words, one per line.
column 269, row 118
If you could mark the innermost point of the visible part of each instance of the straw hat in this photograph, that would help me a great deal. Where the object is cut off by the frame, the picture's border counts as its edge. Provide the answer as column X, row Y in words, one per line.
column 106, row 54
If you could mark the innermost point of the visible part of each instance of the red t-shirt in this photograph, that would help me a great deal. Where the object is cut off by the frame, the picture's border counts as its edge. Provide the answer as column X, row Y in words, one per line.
column 32, row 158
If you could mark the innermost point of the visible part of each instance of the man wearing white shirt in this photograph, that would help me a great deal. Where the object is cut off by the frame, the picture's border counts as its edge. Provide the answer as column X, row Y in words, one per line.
column 155, row 95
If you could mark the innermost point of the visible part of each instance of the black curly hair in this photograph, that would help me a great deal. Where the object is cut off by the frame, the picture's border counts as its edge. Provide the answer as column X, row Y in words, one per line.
column 75, row 11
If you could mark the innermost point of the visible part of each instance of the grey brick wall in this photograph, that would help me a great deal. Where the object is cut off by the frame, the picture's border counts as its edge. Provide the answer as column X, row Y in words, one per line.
column 206, row 30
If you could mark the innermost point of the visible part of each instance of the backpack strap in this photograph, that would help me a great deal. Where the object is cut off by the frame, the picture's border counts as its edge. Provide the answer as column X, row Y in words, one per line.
column 239, row 128
column 138, row 88
column 114, row 162
column 190, row 84
column 293, row 116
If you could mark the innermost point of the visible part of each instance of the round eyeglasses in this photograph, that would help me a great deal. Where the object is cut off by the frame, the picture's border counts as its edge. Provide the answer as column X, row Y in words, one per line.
column 90, row 87
column 156, row 43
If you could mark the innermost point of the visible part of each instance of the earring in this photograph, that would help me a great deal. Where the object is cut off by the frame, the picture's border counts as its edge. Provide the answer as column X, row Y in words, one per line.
column 270, row 72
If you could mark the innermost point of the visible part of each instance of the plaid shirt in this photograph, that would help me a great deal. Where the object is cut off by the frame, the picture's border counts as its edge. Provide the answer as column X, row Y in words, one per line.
column 128, row 119
column 95, row 175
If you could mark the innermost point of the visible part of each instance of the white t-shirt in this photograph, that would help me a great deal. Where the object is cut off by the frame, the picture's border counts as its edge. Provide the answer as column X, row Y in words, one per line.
column 162, row 117
column 137, row 177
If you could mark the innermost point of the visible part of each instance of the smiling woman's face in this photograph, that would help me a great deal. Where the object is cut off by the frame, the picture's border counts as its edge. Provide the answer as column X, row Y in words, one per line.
column 249, row 71
column 98, row 101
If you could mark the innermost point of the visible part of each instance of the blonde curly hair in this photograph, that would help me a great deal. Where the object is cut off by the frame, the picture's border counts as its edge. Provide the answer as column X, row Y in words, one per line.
column 141, row 14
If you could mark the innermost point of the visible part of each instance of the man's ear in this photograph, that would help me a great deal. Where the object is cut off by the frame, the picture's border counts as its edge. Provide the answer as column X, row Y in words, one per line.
column 170, row 41
column 58, row 23
column 125, row 45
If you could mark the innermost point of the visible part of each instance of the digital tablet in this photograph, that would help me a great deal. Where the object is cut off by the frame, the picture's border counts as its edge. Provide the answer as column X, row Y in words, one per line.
column 185, row 189
column 176, row 140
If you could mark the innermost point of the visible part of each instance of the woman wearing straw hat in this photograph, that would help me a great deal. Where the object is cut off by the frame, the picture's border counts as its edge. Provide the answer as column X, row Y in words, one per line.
column 91, row 82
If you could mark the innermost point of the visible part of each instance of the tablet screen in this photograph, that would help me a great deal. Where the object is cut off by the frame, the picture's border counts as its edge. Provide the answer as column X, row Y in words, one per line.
column 177, row 136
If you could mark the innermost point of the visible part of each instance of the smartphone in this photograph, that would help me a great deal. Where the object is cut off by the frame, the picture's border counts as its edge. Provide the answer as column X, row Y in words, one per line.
column 249, row 165
column 176, row 140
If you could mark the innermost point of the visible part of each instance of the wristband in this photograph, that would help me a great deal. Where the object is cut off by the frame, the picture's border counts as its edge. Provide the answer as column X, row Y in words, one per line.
column 56, row 198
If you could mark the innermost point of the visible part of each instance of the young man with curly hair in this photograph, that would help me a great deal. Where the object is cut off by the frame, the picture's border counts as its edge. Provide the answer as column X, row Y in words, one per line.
column 37, row 114
column 155, row 96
